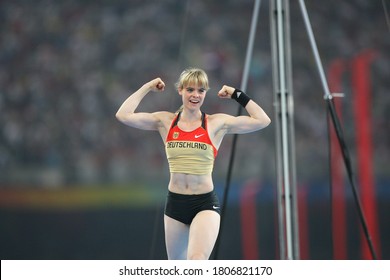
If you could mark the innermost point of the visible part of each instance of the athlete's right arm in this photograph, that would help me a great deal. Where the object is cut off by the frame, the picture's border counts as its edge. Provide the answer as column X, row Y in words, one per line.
column 126, row 113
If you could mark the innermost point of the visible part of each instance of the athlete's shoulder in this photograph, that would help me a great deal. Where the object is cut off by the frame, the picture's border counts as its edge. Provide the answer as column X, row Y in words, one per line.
column 218, row 121
column 165, row 117
column 218, row 116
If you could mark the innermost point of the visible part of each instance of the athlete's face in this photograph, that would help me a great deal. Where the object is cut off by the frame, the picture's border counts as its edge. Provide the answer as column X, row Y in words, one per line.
column 193, row 96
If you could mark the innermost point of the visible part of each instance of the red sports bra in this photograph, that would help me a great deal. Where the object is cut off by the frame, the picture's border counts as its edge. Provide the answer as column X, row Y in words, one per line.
column 190, row 152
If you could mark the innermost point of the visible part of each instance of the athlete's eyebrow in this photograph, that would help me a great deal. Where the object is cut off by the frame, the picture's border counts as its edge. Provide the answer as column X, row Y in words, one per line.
column 202, row 88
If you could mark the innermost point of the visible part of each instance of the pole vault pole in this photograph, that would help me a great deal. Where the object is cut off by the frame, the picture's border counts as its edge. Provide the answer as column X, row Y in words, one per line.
column 284, row 127
column 244, row 83
column 337, row 125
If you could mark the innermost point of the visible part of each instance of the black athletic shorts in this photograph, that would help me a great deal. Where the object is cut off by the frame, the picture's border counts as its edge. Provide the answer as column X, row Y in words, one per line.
column 184, row 208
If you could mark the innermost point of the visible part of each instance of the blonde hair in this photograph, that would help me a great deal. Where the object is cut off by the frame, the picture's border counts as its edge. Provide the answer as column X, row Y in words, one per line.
column 193, row 76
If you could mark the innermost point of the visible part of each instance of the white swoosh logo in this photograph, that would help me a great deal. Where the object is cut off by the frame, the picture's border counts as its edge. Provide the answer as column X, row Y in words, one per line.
column 215, row 207
column 197, row 136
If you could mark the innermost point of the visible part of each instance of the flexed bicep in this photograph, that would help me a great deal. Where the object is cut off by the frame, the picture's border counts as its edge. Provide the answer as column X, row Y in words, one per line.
column 256, row 120
column 126, row 113
column 242, row 124
column 146, row 121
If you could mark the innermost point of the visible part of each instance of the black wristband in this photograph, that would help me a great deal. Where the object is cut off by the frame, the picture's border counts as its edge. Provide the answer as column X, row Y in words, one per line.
column 240, row 97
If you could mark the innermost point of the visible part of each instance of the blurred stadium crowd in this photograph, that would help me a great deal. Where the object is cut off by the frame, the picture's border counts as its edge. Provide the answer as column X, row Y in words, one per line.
column 66, row 66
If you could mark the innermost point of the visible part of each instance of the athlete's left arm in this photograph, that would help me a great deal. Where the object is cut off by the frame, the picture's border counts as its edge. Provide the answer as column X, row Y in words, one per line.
column 256, row 120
